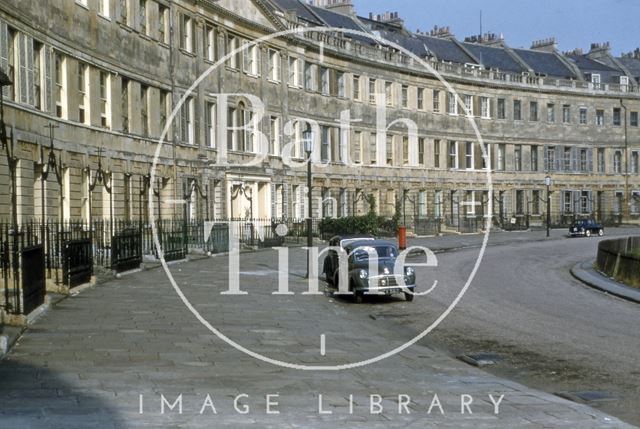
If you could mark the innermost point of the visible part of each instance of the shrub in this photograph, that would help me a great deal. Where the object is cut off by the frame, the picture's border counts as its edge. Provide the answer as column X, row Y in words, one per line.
column 352, row 225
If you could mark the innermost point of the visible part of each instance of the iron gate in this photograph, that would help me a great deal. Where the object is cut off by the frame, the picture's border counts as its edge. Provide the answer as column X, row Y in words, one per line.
column 218, row 239
column 33, row 278
column 77, row 266
column 127, row 250
column 174, row 245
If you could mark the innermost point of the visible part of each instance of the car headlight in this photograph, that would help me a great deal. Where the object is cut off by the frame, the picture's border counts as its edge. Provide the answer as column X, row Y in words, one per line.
column 409, row 271
column 364, row 274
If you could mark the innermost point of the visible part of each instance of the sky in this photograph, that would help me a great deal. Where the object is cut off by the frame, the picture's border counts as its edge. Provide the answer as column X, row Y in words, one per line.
column 574, row 23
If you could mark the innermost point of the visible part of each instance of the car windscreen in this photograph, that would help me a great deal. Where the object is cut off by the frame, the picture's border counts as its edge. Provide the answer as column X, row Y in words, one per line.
column 383, row 251
column 347, row 241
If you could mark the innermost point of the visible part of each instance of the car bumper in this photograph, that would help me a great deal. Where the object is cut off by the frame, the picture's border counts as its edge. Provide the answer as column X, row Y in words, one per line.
column 383, row 286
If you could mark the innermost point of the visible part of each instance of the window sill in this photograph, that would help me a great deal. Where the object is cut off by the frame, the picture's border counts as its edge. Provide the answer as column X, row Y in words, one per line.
column 84, row 6
column 105, row 17
column 187, row 53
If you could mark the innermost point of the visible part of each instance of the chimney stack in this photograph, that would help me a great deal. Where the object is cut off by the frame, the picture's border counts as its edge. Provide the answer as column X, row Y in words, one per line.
column 442, row 32
column 344, row 7
column 392, row 18
column 600, row 51
column 488, row 39
column 546, row 45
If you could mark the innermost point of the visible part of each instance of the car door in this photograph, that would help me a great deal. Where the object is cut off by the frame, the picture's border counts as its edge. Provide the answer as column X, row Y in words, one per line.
column 332, row 257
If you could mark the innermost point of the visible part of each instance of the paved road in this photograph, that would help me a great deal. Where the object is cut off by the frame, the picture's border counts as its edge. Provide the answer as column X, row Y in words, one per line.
column 87, row 362
column 553, row 332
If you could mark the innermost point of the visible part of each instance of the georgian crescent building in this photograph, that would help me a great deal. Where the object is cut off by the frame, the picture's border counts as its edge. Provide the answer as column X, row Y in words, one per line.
column 95, row 83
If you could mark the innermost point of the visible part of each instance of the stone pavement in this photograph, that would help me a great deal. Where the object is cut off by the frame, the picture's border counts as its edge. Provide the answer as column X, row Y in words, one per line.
column 587, row 274
column 90, row 360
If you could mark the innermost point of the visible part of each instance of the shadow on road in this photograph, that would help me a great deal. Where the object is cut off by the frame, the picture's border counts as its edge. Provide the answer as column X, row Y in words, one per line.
column 38, row 397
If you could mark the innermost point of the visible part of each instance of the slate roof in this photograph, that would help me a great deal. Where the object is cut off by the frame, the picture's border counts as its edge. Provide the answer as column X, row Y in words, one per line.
column 494, row 57
column 633, row 64
column 445, row 50
column 299, row 7
column 545, row 63
column 410, row 43
column 334, row 19
column 586, row 65
column 339, row 20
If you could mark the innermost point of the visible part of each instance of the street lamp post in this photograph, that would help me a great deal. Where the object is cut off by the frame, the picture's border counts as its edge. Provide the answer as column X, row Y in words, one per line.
column 548, row 182
column 308, row 148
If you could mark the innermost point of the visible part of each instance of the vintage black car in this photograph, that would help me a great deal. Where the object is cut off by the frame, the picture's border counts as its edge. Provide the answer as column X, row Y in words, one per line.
column 330, row 265
column 586, row 228
column 381, row 281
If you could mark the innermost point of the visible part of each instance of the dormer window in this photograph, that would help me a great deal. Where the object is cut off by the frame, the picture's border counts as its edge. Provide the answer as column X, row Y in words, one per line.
column 624, row 83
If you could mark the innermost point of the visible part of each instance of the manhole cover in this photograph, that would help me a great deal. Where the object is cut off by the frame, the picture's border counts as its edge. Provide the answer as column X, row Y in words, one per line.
column 480, row 359
column 588, row 396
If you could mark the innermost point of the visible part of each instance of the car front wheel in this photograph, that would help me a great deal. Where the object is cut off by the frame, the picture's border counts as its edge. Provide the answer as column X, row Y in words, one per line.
column 600, row 232
column 408, row 296
column 588, row 233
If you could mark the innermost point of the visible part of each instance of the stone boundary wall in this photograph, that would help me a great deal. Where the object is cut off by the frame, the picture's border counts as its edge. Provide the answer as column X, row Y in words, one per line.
column 620, row 259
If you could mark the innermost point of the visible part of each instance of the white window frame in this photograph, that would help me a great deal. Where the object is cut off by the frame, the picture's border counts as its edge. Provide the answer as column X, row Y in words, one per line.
column 342, row 84
column 210, row 39
column 231, row 44
column 420, row 101
column 469, row 156
column 187, row 34
column 211, row 111
column 104, row 9
column 105, row 99
column 250, row 60
column 404, row 96
column 356, row 87
column 485, row 107
column 468, row 105
column 274, row 135
column 455, row 153
column 325, row 77
column 372, row 91
column 436, row 101
column 388, row 92
column 293, row 79
column 275, row 64
column 452, row 108
column 583, row 120
column 85, row 96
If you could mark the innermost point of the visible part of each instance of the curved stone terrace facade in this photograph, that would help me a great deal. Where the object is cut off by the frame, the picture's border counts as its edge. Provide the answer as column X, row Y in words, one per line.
column 106, row 75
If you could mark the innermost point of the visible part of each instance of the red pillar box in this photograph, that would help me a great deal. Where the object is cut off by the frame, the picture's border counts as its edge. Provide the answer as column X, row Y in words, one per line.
column 402, row 237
